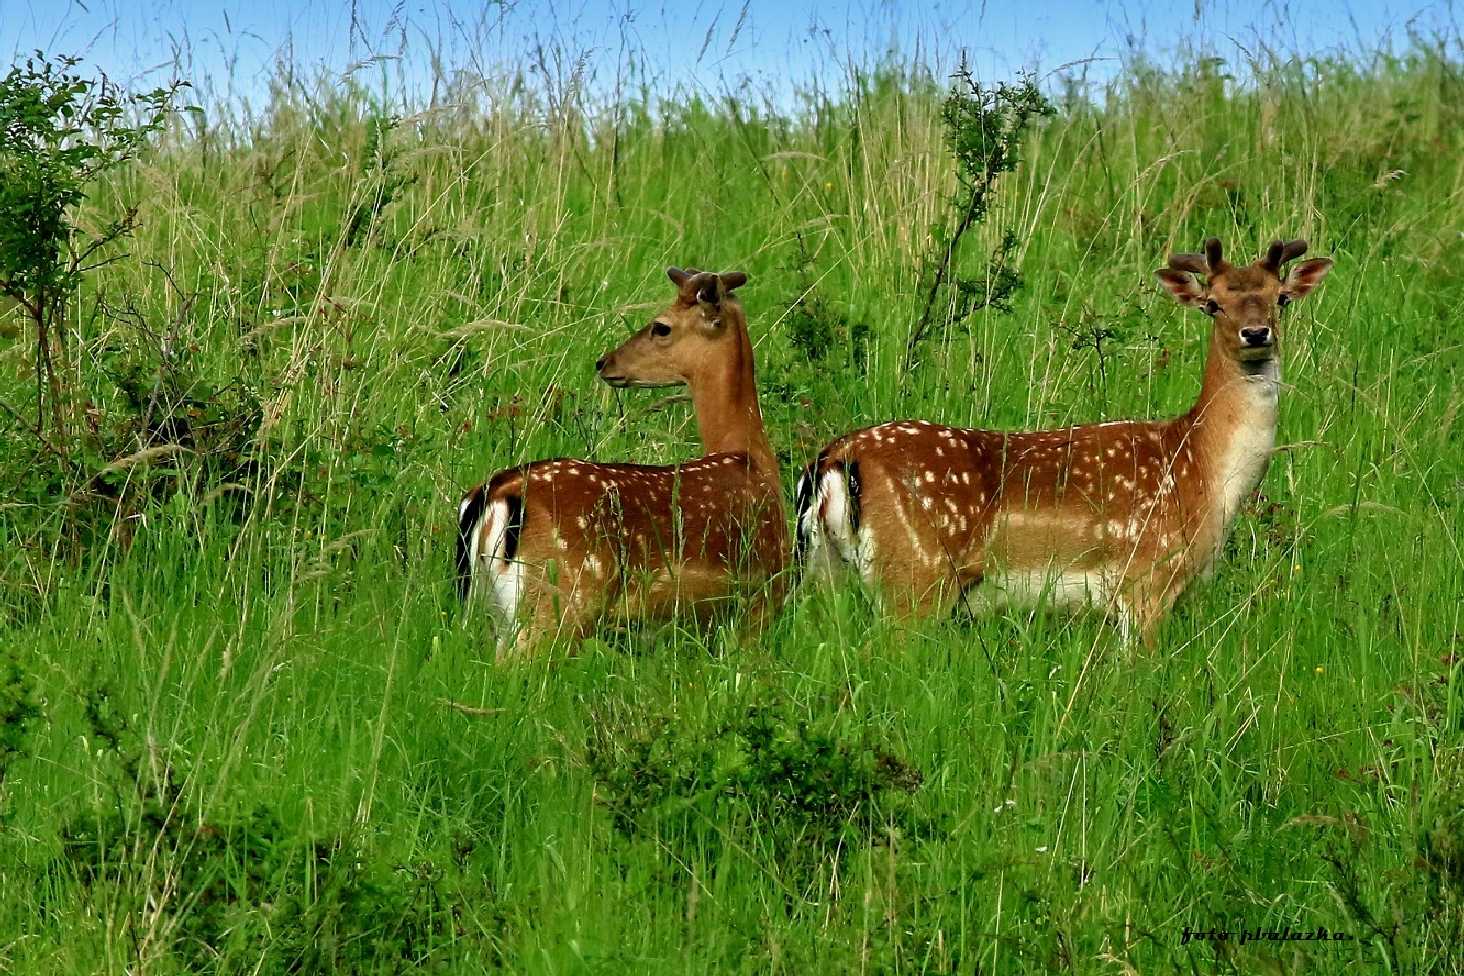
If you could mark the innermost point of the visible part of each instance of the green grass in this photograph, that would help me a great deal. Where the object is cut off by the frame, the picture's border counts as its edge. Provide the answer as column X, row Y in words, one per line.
column 243, row 759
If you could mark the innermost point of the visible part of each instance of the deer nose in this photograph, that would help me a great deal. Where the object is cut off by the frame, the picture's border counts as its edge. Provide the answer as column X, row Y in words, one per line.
column 600, row 364
column 1256, row 335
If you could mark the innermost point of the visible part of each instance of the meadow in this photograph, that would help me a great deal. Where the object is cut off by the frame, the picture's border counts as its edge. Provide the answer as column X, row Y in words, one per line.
column 246, row 728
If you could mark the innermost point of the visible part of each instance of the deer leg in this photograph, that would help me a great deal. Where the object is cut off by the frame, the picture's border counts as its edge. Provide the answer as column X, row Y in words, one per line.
column 822, row 569
column 757, row 616
column 922, row 592
column 556, row 607
column 1145, row 630
column 1139, row 616
column 922, row 565
column 544, row 627
column 1145, row 600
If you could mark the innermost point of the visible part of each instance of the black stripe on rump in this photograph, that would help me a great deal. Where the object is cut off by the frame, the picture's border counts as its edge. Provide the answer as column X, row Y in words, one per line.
column 802, row 501
column 471, row 513
column 515, row 526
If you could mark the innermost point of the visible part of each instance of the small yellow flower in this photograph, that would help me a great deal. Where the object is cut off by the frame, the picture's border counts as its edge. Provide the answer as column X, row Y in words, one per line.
column 1320, row 669
column 1295, row 568
column 828, row 186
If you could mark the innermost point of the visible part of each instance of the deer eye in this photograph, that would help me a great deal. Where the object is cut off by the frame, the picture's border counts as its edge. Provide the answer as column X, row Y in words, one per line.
column 1284, row 300
column 660, row 329
column 1212, row 307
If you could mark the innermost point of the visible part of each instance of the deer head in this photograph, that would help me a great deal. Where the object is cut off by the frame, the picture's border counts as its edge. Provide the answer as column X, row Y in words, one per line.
column 690, row 335
column 1244, row 300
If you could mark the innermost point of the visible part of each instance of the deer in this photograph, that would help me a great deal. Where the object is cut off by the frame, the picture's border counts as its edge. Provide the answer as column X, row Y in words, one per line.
column 558, row 548
column 1119, row 516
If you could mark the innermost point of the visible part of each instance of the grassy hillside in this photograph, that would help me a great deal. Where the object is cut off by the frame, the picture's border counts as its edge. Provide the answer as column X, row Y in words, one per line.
column 228, row 664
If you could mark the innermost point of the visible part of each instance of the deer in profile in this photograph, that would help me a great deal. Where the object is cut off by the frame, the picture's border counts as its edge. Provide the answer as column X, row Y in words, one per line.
column 1119, row 515
column 559, row 547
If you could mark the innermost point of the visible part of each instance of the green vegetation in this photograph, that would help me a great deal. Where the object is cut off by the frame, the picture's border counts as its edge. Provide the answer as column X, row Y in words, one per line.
column 230, row 648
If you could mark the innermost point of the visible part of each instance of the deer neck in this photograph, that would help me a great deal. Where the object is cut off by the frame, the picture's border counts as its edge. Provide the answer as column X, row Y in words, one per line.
column 1233, row 427
column 728, row 417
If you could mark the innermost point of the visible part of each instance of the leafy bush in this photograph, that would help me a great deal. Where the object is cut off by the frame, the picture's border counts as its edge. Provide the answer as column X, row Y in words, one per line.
column 984, row 130
column 58, row 133
column 251, row 886
column 808, row 793
column 18, row 714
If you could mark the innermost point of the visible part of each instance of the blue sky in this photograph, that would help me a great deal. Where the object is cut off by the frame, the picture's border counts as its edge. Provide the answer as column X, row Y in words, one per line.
column 710, row 45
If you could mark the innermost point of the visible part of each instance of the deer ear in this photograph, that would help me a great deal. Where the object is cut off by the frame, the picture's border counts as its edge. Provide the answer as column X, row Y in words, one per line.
column 1305, row 276
column 1185, row 289
column 733, row 280
column 677, row 276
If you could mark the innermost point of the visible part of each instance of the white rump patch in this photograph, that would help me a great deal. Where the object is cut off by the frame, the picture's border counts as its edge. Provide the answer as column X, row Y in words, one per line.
column 831, row 540
column 505, row 578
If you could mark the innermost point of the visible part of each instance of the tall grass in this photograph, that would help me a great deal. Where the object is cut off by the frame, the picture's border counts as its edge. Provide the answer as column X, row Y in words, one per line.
column 248, row 659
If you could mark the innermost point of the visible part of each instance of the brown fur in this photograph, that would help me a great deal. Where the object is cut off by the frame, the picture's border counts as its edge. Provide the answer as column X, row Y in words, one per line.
column 1130, row 511
column 628, row 542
